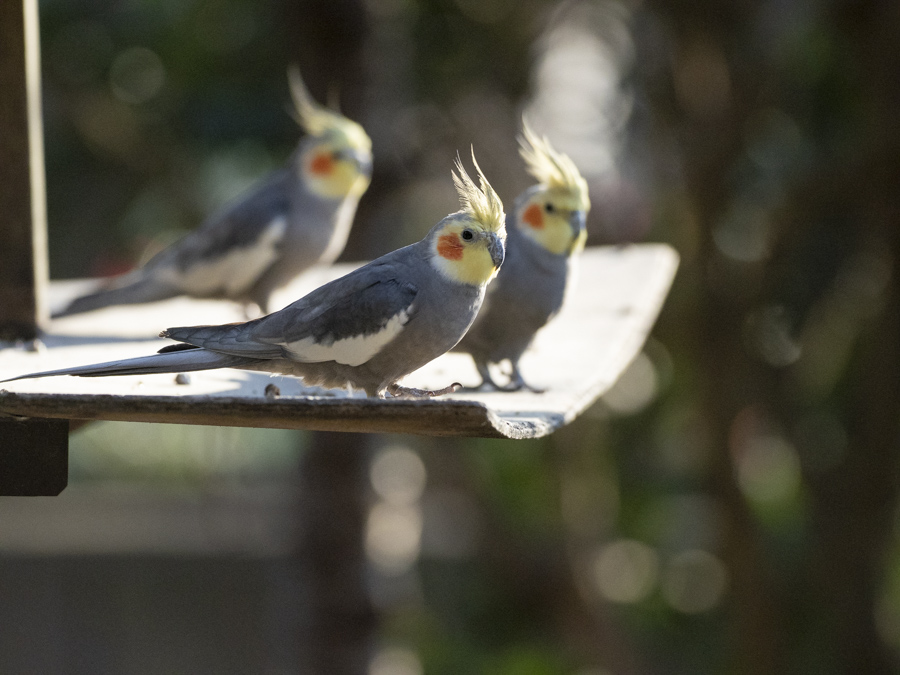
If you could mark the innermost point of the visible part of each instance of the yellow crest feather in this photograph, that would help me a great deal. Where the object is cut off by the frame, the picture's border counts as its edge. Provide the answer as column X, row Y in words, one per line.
column 480, row 203
column 318, row 120
column 554, row 169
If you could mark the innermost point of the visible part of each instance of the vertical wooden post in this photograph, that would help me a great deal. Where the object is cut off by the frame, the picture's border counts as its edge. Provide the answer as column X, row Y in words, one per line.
column 23, row 211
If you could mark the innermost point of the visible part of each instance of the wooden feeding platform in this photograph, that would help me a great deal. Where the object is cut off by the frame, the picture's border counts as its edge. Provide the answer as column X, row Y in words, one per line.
column 576, row 358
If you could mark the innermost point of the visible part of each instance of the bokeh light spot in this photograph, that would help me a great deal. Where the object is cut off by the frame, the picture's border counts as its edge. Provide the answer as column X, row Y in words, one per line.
column 136, row 75
column 626, row 571
column 393, row 537
column 398, row 476
column 694, row 581
column 635, row 389
column 768, row 469
column 395, row 661
column 743, row 234
column 773, row 139
column 768, row 335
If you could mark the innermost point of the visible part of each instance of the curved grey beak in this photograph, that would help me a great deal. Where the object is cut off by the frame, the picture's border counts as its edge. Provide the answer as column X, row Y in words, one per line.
column 497, row 249
column 578, row 222
column 363, row 160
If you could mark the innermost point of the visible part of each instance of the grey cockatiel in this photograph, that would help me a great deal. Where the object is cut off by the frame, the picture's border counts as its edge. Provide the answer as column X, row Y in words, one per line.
column 367, row 329
column 299, row 216
column 545, row 230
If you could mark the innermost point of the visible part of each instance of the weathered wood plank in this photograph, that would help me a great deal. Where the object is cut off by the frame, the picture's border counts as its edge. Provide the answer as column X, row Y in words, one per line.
column 23, row 220
column 577, row 358
column 447, row 418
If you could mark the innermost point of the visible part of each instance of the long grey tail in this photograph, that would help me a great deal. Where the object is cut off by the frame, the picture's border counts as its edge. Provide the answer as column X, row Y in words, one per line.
column 141, row 290
column 174, row 361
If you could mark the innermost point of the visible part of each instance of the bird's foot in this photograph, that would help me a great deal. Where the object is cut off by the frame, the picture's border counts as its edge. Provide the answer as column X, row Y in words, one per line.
column 517, row 383
column 396, row 391
column 481, row 388
column 519, row 386
column 34, row 345
column 487, row 382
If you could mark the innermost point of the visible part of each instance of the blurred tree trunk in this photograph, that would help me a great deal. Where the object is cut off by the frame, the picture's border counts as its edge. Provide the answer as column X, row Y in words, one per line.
column 721, row 76
column 704, row 102
column 338, row 622
column 855, row 504
column 541, row 581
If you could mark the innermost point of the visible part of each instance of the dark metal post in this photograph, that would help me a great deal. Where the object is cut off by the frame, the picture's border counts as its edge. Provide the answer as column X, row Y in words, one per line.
column 23, row 216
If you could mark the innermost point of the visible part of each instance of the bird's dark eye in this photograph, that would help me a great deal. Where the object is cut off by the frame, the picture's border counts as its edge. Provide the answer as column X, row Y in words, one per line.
column 549, row 208
column 468, row 235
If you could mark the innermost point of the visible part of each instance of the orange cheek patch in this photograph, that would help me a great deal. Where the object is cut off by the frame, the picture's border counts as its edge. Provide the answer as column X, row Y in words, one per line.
column 450, row 247
column 533, row 216
column 322, row 164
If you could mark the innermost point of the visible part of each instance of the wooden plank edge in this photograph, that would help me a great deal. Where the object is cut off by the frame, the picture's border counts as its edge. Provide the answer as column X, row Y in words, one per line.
column 424, row 417
column 665, row 270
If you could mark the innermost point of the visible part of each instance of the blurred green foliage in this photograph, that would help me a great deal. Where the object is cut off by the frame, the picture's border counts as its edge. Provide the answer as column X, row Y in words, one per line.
column 730, row 507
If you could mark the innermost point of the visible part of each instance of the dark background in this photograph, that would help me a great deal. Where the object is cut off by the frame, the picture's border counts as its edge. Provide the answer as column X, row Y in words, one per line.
column 730, row 507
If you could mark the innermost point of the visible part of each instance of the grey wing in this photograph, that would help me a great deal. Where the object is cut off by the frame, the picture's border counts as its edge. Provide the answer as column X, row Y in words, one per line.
column 348, row 320
column 232, row 249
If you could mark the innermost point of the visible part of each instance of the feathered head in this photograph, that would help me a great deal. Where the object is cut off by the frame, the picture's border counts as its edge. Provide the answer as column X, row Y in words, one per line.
column 480, row 203
column 551, row 168
column 317, row 120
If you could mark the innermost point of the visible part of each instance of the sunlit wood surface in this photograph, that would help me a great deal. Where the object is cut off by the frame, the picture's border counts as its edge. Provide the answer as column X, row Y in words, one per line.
column 577, row 358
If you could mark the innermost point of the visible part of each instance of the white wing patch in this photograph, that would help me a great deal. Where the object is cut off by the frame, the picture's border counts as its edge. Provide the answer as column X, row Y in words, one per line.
column 351, row 351
column 235, row 271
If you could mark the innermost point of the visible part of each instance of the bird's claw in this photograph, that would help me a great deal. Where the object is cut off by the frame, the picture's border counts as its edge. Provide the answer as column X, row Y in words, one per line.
column 516, row 382
column 482, row 388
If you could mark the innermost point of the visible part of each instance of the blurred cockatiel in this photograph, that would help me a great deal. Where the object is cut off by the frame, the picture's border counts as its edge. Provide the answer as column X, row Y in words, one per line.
column 546, row 230
column 367, row 329
column 298, row 216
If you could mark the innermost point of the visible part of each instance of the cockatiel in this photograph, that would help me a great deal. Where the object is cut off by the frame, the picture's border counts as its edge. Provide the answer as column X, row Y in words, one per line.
column 546, row 229
column 367, row 329
column 299, row 216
